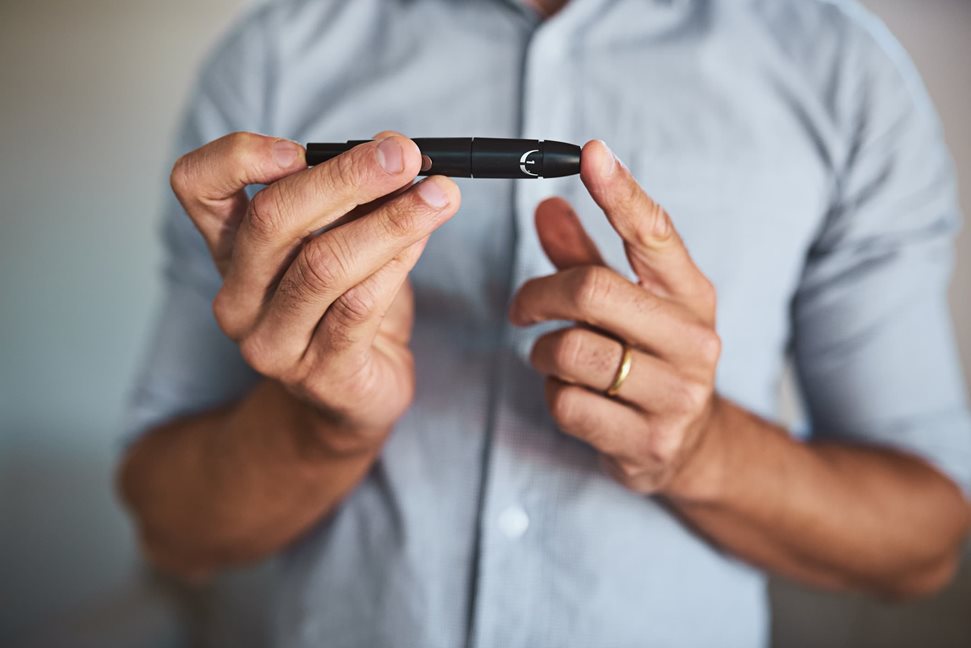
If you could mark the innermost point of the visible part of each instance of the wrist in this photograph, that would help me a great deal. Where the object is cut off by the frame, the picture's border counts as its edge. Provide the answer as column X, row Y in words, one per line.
column 312, row 434
column 323, row 433
column 703, row 478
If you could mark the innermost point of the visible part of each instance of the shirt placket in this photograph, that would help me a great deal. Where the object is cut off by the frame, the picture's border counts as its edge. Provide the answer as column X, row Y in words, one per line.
column 516, row 501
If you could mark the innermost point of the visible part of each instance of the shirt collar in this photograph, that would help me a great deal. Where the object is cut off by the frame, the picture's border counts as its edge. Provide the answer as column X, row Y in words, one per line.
column 663, row 3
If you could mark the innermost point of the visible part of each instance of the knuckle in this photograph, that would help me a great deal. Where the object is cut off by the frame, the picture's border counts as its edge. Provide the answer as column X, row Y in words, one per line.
column 238, row 144
column 691, row 397
column 258, row 356
column 660, row 222
column 401, row 219
column 568, row 349
column 666, row 446
column 291, row 293
column 362, row 383
column 707, row 295
column 264, row 214
column 246, row 145
column 324, row 263
column 709, row 345
column 591, row 287
column 528, row 290
column 629, row 471
column 355, row 306
column 641, row 447
column 350, row 169
column 343, row 388
column 564, row 406
column 648, row 304
column 654, row 224
column 226, row 315
column 247, row 151
column 338, row 334
column 180, row 179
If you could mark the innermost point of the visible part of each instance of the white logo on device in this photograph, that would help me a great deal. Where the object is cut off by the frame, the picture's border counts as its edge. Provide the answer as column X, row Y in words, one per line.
column 523, row 162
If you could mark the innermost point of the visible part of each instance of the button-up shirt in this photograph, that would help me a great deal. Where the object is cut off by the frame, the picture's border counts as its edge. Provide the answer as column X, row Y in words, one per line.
column 797, row 152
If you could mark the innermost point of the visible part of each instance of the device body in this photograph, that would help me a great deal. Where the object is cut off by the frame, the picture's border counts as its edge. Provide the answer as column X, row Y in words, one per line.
column 478, row 157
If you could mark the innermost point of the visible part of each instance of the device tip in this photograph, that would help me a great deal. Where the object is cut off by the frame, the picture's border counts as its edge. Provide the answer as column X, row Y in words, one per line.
column 560, row 159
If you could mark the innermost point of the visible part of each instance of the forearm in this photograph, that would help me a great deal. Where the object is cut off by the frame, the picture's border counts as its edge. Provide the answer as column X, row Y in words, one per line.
column 238, row 483
column 831, row 515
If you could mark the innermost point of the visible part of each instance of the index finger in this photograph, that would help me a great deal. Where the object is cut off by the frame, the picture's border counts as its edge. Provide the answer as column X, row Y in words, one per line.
column 284, row 215
column 655, row 250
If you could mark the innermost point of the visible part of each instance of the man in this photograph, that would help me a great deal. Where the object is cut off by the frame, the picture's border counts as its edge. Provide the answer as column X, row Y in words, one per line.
column 525, row 421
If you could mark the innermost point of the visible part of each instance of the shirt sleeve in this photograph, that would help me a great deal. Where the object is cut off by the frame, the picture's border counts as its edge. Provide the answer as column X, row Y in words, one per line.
column 873, row 344
column 190, row 365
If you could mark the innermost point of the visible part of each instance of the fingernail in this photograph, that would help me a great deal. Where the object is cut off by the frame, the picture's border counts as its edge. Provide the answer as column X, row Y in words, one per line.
column 609, row 163
column 285, row 153
column 662, row 224
column 433, row 194
column 390, row 156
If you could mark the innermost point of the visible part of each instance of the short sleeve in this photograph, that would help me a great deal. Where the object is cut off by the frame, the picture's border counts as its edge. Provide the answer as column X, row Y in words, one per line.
column 189, row 364
column 873, row 343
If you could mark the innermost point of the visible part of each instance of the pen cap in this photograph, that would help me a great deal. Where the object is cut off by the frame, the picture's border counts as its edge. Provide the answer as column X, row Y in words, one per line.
column 560, row 159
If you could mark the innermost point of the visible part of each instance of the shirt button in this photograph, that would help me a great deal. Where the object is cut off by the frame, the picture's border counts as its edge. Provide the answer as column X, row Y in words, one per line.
column 513, row 522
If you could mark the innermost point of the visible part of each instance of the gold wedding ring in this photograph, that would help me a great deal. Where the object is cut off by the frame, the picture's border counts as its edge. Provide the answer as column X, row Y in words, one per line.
column 623, row 370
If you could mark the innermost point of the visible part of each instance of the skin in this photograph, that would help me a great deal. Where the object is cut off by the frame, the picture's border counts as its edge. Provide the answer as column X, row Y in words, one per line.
column 327, row 318
column 547, row 8
column 830, row 515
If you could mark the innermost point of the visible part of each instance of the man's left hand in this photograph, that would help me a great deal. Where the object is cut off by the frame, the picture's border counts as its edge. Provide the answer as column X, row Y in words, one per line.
column 651, row 430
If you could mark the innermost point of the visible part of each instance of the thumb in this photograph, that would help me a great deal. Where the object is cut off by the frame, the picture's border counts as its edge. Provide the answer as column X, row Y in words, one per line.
column 562, row 236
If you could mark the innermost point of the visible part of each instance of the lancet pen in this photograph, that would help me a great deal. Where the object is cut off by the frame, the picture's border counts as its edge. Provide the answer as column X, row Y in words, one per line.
column 478, row 157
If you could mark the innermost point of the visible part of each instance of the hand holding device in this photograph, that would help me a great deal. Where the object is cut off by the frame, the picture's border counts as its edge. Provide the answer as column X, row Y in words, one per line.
column 635, row 376
column 329, row 314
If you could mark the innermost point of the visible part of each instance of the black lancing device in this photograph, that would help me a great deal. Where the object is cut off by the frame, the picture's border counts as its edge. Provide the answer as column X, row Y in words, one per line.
column 478, row 157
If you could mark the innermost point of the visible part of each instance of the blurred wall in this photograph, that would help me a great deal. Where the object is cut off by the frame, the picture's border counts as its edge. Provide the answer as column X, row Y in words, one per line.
column 89, row 93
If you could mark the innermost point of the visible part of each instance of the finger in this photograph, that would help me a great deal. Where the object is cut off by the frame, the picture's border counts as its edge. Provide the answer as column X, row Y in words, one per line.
column 563, row 237
column 366, row 208
column 387, row 133
column 426, row 162
column 399, row 320
column 609, row 426
column 210, row 181
column 583, row 357
column 601, row 298
column 282, row 216
column 655, row 250
column 360, row 210
column 331, row 264
column 351, row 323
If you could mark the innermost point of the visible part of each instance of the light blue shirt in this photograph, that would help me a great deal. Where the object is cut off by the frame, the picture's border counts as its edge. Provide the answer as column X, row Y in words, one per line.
column 798, row 154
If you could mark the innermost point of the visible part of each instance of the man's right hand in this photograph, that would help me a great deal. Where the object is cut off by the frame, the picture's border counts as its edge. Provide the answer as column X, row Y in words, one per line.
column 327, row 315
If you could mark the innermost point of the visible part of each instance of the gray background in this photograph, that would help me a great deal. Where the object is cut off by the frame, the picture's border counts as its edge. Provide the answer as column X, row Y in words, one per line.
column 89, row 92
